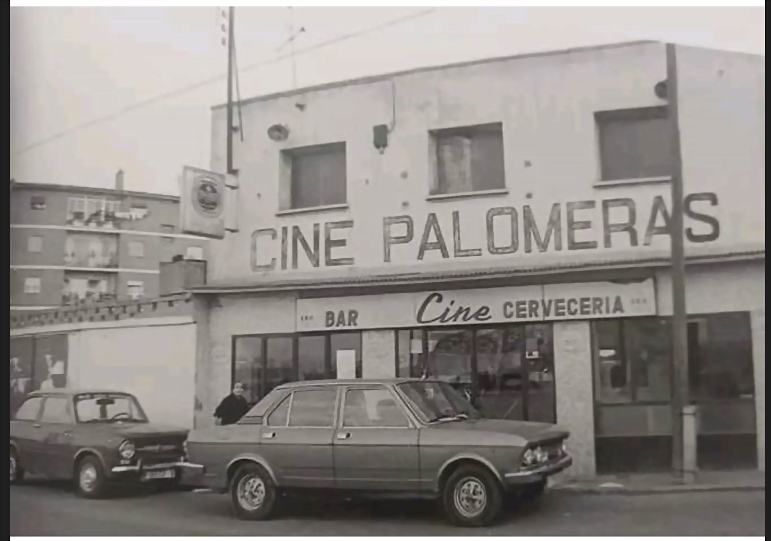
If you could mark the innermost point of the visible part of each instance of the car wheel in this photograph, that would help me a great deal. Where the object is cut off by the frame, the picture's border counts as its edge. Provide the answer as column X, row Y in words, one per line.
column 253, row 493
column 91, row 479
column 17, row 473
column 473, row 497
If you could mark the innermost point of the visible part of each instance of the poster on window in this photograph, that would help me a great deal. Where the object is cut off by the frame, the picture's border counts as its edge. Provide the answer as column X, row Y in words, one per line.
column 50, row 369
column 21, row 372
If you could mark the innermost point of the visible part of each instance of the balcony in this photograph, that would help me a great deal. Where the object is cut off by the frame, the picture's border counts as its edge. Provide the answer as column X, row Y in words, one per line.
column 82, row 289
column 93, row 213
column 86, row 251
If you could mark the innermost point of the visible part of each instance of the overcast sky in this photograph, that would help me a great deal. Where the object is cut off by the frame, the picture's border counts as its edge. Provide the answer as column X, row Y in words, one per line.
column 72, row 67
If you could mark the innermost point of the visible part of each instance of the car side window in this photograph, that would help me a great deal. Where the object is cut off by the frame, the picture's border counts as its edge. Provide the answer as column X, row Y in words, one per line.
column 280, row 415
column 29, row 410
column 372, row 408
column 313, row 408
column 56, row 410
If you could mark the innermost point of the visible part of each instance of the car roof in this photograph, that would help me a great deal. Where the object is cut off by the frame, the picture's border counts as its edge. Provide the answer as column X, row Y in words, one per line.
column 75, row 392
column 338, row 382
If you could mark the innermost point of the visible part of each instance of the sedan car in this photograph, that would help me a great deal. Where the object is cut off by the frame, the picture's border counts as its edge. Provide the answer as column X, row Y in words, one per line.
column 406, row 437
column 95, row 438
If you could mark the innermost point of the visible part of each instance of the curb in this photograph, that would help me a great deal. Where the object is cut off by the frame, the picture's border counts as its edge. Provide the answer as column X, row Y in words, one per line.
column 656, row 490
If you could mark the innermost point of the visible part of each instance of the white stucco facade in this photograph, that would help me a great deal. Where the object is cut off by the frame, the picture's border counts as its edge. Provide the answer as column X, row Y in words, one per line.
column 392, row 243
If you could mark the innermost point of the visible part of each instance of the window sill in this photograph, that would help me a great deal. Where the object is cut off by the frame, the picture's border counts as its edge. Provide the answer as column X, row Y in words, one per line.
column 631, row 182
column 467, row 195
column 312, row 210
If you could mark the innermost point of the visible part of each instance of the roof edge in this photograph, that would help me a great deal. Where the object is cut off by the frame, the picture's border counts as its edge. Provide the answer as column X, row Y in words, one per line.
column 370, row 79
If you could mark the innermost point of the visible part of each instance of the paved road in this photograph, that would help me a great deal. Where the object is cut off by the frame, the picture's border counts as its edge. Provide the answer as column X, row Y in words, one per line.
column 43, row 509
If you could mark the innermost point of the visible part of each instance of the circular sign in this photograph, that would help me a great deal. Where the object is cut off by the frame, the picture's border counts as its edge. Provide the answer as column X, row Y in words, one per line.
column 207, row 196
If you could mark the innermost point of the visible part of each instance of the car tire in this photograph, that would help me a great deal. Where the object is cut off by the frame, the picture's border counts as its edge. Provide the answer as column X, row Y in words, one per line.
column 16, row 471
column 90, row 480
column 253, row 493
column 473, row 497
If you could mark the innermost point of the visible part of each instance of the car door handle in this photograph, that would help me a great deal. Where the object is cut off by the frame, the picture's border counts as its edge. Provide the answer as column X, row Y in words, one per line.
column 269, row 435
column 344, row 436
column 36, row 426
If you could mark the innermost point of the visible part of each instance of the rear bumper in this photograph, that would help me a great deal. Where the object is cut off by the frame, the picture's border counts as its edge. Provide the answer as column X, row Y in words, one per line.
column 529, row 477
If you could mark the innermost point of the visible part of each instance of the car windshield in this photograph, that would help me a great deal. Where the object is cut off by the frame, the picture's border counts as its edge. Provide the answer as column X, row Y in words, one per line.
column 438, row 402
column 108, row 408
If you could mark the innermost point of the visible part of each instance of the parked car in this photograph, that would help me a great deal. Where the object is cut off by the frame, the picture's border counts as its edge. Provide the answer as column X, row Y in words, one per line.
column 409, row 437
column 95, row 438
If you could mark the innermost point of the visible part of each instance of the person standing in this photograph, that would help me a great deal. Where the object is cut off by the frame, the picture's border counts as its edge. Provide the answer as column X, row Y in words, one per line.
column 233, row 408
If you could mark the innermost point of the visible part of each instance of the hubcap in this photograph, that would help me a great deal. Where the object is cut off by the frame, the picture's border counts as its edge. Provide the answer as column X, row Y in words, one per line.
column 251, row 492
column 88, row 478
column 14, row 468
column 470, row 497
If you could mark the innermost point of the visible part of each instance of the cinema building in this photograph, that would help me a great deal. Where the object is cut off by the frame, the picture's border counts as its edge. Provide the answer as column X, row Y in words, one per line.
column 503, row 225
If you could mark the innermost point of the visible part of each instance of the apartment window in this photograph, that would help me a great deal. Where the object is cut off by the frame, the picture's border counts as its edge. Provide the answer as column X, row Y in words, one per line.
column 35, row 245
column 468, row 160
column 194, row 253
column 136, row 249
column 38, row 202
column 635, row 144
column 136, row 290
column 317, row 176
column 32, row 286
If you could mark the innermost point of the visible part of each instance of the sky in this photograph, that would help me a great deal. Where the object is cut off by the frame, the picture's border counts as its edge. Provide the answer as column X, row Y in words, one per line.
column 97, row 90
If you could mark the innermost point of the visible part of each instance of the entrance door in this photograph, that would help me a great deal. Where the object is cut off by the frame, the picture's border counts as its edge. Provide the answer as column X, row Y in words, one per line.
column 376, row 446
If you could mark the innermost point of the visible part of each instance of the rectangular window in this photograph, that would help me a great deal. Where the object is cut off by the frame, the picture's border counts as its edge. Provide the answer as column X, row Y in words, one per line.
column 635, row 144
column 469, row 159
column 194, row 253
column 280, row 415
column 56, row 411
column 372, row 408
column 136, row 290
column 35, row 245
column 313, row 409
column 32, row 286
column 37, row 202
column 317, row 176
column 136, row 249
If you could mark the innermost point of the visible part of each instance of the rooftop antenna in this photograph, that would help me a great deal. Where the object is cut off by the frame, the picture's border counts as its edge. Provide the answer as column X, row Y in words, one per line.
column 293, row 35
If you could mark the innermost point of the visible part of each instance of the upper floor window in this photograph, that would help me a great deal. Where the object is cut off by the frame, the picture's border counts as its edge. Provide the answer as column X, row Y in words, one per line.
column 136, row 290
column 194, row 253
column 635, row 144
column 32, row 286
column 468, row 160
column 38, row 202
column 35, row 244
column 315, row 177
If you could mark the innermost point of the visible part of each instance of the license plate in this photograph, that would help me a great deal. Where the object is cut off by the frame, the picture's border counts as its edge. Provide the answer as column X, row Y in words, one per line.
column 161, row 474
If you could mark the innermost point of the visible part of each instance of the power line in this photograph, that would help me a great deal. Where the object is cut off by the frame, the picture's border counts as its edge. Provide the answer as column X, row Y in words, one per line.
column 202, row 84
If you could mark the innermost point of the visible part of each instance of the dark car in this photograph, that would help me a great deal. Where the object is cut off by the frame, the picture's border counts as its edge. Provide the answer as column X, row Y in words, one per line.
column 95, row 438
column 407, row 437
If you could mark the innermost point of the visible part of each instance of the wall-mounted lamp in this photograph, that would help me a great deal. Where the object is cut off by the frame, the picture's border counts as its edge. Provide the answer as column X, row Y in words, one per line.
column 380, row 137
column 662, row 90
column 278, row 133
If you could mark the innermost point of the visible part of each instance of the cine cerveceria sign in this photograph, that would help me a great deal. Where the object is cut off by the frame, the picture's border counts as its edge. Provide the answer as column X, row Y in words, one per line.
column 596, row 300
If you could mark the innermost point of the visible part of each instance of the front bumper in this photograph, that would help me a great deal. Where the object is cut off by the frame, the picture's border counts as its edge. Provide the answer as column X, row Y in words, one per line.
column 140, row 468
column 528, row 477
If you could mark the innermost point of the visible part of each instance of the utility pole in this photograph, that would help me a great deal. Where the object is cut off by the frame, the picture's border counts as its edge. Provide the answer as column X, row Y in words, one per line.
column 230, row 127
column 680, row 379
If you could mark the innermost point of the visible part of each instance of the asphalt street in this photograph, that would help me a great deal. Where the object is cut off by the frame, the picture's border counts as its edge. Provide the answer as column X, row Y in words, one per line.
column 44, row 509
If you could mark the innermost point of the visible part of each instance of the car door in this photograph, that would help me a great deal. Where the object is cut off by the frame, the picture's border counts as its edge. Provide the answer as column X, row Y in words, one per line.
column 376, row 445
column 296, row 439
column 56, row 426
column 24, row 431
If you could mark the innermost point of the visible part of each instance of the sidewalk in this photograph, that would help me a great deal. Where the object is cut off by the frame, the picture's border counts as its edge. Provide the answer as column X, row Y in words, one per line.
column 634, row 485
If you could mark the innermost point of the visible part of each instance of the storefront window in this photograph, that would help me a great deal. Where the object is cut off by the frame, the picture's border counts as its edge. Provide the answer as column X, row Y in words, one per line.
column 249, row 367
column 449, row 357
column 280, row 363
column 311, row 358
column 410, row 354
column 343, row 348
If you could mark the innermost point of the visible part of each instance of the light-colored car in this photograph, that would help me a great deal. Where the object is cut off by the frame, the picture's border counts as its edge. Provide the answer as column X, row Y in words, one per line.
column 405, row 437
column 96, row 438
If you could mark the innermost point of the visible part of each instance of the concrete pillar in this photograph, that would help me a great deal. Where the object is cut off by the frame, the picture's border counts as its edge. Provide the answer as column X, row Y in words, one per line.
column 690, row 439
column 378, row 354
column 203, row 401
column 759, row 356
column 575, row 393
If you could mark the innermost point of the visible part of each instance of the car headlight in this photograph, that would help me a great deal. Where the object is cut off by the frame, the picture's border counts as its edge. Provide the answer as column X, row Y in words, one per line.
column 127, row 450
column 530, row 458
